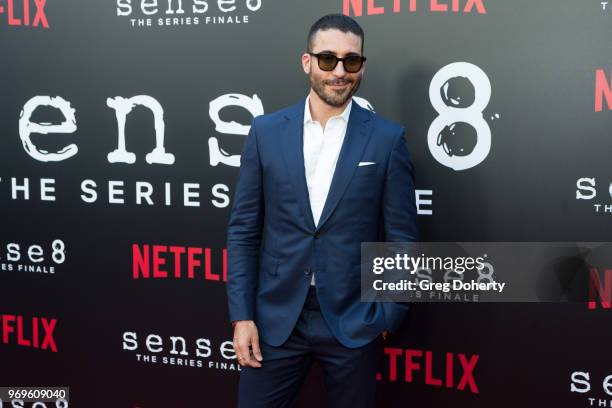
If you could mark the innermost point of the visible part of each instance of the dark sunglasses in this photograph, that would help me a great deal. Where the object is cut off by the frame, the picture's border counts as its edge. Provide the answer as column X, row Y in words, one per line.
column 328, row 62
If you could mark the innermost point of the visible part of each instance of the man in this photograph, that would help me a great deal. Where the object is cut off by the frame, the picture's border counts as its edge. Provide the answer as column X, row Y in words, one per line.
column 316, row 180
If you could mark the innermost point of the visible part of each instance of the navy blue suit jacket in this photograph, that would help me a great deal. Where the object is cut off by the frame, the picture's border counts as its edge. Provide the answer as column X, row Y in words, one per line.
column 274, row 246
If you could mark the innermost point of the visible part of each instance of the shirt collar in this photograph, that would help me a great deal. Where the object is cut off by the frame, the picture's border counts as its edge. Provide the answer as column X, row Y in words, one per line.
column 344, row 115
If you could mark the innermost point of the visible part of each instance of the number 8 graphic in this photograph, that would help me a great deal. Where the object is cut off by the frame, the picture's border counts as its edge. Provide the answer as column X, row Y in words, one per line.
column 450, row 115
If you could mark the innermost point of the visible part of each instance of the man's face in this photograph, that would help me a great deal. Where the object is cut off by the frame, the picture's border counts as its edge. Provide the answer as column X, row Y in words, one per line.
column 337, row 86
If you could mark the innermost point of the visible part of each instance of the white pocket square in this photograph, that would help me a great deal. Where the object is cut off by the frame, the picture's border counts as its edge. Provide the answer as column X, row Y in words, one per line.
column 365, row 163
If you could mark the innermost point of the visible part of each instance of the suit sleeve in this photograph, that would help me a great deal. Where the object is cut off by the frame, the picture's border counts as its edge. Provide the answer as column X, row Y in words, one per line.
column 244, row 232
column 399, row 214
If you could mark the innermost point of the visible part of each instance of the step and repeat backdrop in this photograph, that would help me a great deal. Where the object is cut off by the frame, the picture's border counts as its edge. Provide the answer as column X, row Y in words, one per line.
column 121, row 127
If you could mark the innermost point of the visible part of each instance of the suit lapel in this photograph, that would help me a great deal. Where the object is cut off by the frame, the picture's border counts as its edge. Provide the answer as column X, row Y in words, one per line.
column 355, row 141
column 292, row 145
column 291, row 139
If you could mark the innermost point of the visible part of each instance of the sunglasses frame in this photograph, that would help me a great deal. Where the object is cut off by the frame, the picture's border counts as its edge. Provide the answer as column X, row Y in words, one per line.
column 338, row 59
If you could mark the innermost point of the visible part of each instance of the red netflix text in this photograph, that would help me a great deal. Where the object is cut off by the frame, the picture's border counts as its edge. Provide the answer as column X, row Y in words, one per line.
column 452, row 370
column 373, row 7
column 600, row 292
column 35, row 332
column 172, row 261
column 603, row 90
column 25, row 13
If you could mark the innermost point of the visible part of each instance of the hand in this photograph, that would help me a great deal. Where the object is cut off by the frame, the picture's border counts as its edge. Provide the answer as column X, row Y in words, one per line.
column 385, row 334
column 245, row 335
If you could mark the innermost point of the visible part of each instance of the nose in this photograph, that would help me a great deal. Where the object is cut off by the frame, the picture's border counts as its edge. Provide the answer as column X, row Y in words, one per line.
column 339, row 69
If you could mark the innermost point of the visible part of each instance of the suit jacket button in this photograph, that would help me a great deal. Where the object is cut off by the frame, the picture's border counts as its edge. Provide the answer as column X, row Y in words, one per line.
column 317, row 234
column 307, row 271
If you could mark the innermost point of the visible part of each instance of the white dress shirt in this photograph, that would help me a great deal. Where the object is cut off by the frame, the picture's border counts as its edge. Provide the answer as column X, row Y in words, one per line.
column 321, row 151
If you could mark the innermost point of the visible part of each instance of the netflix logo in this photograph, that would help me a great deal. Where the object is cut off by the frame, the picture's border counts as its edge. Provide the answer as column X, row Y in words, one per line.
column 374, row 7
column 449, row 370
column 600, row 289
column 178, row 262
column 35, row 332
column 24, row 13
column 603, row 91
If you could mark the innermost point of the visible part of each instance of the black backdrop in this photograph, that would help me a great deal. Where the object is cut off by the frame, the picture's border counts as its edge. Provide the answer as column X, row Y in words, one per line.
column 113, row 315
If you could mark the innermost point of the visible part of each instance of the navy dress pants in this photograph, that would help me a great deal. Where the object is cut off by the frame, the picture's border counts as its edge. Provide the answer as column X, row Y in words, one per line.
column 349, row 374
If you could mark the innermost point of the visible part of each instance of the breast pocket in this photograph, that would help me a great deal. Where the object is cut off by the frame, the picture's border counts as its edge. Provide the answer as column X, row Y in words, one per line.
column 366, row 169
column 364, row 184
column 365, row 174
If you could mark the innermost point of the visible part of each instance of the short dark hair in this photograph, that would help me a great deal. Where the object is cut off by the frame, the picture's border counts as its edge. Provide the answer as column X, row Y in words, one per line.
column 338, row 22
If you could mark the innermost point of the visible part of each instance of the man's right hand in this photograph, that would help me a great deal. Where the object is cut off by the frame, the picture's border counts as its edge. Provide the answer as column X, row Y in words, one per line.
column 245, row 336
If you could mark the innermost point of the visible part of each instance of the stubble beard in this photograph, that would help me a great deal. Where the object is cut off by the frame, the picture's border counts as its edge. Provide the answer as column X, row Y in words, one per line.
column 332, row 97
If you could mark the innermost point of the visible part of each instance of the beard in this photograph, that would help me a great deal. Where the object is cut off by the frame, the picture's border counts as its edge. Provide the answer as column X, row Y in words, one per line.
column 335, row 98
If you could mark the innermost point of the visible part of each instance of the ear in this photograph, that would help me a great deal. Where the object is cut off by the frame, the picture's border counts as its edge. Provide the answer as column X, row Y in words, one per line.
column 306, row 58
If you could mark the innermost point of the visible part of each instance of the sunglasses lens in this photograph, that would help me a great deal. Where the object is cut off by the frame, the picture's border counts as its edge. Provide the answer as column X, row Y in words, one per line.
column 353, row 64
column 327, row 62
